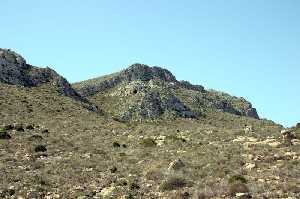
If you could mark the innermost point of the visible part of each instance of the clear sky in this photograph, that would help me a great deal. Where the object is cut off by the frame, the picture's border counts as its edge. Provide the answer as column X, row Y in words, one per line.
column 248, row 48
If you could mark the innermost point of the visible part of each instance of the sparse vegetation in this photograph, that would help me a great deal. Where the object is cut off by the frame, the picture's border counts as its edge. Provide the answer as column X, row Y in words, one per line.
column 116, row 145
column 172, row 183
column 237, row 178
column 4, row 134
column 148, row 142
column 78, row 153
column 40, row 148
column 237, row 187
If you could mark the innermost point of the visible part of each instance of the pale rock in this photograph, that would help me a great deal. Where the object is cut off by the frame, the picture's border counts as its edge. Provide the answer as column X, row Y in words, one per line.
column 252, row 139
column 108, row 191
column 296, row 142
column 250, row 166
column 242, row 195
column 176, row 165
column 239, row 139
column 261, row 180
column 274, row 144
column 248, row 129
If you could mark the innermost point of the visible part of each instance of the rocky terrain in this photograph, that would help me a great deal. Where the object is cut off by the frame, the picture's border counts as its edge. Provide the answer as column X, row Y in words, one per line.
column 143, row 92
column 139, row 133
column 15, row 71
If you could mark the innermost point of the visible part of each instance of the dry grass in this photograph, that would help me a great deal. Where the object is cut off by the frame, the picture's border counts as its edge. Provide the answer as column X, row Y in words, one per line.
column 81, row 160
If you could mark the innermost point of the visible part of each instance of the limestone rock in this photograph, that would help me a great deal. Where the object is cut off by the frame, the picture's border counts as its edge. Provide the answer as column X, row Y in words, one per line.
column 156, row 91
column 176, row 165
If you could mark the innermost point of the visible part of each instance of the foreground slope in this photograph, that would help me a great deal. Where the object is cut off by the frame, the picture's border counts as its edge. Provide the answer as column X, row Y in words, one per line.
column 53, row 147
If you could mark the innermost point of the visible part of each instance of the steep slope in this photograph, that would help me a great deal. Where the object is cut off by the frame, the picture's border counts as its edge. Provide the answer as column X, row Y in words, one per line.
column 143, row 92
column 15, row 71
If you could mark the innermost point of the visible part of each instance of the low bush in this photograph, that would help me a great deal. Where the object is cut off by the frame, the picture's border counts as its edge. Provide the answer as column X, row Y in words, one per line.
column 40, row 148
column 4, row 135
column 148, row 142
column 237, row 187
column 237, row 178
column 173, row 183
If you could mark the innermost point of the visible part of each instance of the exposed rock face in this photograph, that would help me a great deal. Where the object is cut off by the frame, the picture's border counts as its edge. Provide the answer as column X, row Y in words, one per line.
column 151, row 92
column 189, row 86
column 142, row 91
column 228, row 106
column 14, row 70
column 135, row 72
column 251, row 112
column 174, row 104
column 151, row 106
column 145, row 73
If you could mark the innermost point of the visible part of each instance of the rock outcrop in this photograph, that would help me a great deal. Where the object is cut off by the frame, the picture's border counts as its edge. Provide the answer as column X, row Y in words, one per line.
column 140, row 91
column 135, row 72
column 153, row 106
column 150, row 92
column 14, row 70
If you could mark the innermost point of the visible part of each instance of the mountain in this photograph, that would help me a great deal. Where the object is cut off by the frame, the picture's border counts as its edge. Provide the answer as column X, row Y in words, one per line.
column 143, row 92
column 138, row 133
column 15, row 71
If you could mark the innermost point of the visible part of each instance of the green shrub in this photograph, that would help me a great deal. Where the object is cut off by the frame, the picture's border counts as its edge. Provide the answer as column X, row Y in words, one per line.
column 133, row 186
column 237, row 178
column 175, row 138
column 148, row 142
column 7, row 193
column 113, row 169
column 8, row 127
column 153, row 174
column 237, row 187
column 40, row 148
column 35, row 138
column 45, row 131
column 4, row 135
column 19, row 127
column 116, row 145
column 173, row 183
column 30, row 127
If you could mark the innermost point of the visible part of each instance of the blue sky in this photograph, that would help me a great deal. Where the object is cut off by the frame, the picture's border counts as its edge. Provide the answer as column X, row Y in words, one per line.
column 248, row 48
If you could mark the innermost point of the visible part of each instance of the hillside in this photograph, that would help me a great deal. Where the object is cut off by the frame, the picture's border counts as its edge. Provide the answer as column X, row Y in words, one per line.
column 143, row 92
column 151, row 136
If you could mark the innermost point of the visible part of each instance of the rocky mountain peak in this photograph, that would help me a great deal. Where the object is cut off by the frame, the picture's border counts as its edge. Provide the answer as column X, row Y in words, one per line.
column 141, row 91
column 10, row 57
column 15, row 71
column 146, row 73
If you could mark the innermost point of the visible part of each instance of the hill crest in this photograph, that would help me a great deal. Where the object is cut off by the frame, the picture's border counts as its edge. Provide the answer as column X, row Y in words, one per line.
column 15, row 71
column 162, row 92
column 139, row 92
